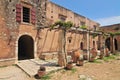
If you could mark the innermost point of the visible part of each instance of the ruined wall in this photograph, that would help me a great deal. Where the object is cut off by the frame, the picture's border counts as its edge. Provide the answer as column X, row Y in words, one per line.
column 112, row 28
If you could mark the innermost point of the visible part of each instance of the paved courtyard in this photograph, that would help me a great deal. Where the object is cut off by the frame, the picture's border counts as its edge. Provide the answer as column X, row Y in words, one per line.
column 13, row 73
column 26, row 69
column 31, row 66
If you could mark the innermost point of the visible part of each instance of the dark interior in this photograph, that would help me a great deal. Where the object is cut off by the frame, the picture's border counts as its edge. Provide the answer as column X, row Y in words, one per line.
column 25, row 48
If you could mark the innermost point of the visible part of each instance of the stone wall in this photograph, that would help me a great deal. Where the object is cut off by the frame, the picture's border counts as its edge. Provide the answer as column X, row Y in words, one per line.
column 11, row 31
column 45, row 40
column 54, row 10
column 7, row 27
column 112, row 29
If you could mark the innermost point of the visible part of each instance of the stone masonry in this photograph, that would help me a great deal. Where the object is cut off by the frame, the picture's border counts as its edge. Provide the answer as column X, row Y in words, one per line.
column 33, row 39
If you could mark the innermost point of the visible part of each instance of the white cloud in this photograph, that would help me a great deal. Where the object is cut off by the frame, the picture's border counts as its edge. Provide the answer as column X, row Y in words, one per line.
column 109, row 21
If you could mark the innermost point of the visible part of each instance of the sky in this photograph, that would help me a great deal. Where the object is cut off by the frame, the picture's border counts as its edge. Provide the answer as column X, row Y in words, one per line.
column 105, row 12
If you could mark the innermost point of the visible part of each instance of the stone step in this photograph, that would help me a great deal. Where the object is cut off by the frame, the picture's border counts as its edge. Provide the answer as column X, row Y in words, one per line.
column 31, row 66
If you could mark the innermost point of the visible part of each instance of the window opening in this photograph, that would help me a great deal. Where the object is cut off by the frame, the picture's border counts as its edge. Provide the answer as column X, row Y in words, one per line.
column 62, row 17
column 26, row 14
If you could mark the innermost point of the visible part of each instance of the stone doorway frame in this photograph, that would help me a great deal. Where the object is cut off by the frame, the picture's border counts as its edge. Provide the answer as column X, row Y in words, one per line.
column 16, row 47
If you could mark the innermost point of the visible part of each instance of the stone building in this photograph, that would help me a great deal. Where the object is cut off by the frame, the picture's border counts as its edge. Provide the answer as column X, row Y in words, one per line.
column 18, row 22
column 25, row 33
column 112, row 42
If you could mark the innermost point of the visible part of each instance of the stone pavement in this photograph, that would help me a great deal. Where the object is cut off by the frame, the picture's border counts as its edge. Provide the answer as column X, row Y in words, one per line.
column 26, row 69
column 30, row 67
column 13, row 73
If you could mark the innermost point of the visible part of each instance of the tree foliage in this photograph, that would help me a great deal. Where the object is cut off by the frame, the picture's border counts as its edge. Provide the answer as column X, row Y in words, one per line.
column 94, row 35
column 62, row 24
column 83, row 27
column 114, row 33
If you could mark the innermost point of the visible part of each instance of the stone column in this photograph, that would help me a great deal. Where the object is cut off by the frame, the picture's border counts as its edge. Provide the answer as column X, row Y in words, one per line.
column 112, row 47
column 88, row 45
column 62, row 49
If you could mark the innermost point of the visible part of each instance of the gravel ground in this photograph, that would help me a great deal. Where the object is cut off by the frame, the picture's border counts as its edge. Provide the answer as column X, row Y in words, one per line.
column 105, row 70
column 109, row 70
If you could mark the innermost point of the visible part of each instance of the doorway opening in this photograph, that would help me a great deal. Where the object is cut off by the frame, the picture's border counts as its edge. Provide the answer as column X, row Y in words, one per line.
column 25, row 47
column 81, row 45
column 107, row 43
column 116, row 45
column 93, row 44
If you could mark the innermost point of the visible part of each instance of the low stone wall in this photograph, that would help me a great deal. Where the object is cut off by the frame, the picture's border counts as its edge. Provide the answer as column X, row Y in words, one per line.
column 46, row 56
column 7, row 62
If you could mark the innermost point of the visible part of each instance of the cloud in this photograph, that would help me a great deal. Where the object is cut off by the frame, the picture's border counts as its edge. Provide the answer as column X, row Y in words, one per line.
column 109, row 21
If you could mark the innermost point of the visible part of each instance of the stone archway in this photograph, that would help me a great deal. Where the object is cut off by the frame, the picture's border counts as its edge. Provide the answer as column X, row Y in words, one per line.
column 25, row 47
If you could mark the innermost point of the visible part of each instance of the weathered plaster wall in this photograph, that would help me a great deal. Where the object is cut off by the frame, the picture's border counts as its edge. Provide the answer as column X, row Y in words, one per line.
column 8, row 29
column 53, row 11
column 11, row 31
column 46, row 41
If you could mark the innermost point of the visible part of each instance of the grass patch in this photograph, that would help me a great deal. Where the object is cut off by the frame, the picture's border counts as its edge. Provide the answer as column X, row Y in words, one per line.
column 109, row 58
column 117, row 54
column 46, row 77
column 51, row 72
column 73, row 70
column 97, row 61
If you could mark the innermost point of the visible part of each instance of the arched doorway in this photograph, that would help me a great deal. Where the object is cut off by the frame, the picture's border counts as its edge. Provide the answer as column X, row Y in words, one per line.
column 116, row 45
column 107, row 43
column 25, row 47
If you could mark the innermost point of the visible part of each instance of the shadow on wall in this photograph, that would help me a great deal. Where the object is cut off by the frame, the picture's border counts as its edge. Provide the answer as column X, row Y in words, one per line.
column 49, row 38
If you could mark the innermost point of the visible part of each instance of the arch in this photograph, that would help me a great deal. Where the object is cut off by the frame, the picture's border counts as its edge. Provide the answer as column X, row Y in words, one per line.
column 107, row 43
column 25, row 47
